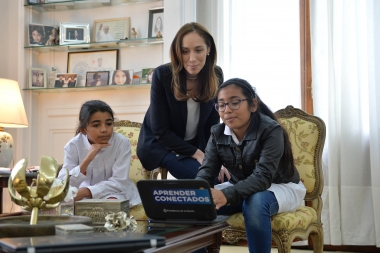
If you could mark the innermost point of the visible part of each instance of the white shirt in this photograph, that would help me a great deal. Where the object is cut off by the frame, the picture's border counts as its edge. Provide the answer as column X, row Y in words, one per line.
column 101, row 36
column 289, row 196
column 192, row 119
column 108, row 174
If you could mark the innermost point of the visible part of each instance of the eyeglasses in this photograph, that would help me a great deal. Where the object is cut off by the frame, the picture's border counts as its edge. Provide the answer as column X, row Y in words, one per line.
column 233, row 105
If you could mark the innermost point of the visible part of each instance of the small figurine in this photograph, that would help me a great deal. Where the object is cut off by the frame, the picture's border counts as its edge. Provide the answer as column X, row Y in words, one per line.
column 159, row 34
column 134, row 33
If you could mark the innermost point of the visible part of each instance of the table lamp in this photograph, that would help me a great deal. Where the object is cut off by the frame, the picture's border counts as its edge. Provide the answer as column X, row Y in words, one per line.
column 12, row 114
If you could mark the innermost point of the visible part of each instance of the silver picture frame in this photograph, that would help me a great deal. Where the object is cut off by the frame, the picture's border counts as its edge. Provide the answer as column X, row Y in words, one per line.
column 74, row 33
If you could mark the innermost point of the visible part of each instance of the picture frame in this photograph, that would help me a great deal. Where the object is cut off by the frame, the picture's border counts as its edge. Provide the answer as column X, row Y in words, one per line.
column 82, row 62
column 53, row 1
column 43, row 35
column 36, row 1
column 156, row 23
column 37, row 78
column 74, row 33
column 97, row 78
column 111, row 29
column 147, row 75
column 121, row 77
column 65, row 80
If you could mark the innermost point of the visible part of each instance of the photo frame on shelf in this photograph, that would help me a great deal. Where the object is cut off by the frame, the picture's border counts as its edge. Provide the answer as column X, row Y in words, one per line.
column 74, row 33
column 43, row 35
column 36, row 1
column 37, row 78
column 111, row 29
column 147, row 75
column 65, row 80
column 97, row 78
column 54, row 1
column 82, row 62
column 156, row 23
column 121, row 77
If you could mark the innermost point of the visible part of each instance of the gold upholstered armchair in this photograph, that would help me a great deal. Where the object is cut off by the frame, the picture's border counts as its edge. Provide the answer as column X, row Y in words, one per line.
column 131, row 130
column 307, row 136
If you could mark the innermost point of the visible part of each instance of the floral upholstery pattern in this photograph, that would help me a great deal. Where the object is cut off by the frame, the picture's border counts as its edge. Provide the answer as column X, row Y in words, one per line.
column 131, row 130
column 307, row 135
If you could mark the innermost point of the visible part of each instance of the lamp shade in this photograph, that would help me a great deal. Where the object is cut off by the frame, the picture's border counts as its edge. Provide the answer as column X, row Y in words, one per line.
column 12, row 111
column 12, row 114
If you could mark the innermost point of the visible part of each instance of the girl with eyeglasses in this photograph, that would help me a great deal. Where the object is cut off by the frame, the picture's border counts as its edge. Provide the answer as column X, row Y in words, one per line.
column 256, row 150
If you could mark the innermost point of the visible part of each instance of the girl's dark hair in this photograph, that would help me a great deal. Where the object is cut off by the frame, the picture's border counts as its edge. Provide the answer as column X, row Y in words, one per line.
column 88, row 109
column 249, row 92
column 207, row 75
column 126, row 72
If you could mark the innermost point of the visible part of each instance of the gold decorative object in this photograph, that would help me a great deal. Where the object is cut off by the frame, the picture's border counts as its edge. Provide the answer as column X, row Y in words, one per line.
column 120, row 221
column 40, row 194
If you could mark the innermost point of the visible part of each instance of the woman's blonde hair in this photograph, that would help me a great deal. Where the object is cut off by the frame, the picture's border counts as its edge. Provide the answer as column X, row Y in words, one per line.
column 208, row 77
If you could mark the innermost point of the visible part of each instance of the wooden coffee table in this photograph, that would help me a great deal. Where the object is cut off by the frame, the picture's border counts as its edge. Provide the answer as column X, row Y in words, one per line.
column 188, row 239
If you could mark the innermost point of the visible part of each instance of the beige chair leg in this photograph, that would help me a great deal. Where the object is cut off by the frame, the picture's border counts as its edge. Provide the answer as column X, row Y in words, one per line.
column 317, row 239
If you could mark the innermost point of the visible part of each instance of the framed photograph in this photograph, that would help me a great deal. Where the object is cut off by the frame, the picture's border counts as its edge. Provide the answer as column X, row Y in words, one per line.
column 37, row 78
column 97, row 78
column 156, row 23
column 43, row 35
column 82, row 62
column 147, row 75
column 111, row 29
column 65, row 80
column 36, row 1
column 74, row 33
column 121, row 77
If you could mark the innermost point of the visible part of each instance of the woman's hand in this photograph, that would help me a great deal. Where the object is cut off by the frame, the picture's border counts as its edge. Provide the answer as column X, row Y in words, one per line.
column 83, row 193
column 223, row 172
column 199, row 156
column 219, row 198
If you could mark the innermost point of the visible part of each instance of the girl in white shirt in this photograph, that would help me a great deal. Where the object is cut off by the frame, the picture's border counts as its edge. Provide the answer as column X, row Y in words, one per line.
column 97, row 158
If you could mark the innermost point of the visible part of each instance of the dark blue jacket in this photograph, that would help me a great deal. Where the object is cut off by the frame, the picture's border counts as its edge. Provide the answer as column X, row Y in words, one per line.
column 254, row 164
column 164, row 124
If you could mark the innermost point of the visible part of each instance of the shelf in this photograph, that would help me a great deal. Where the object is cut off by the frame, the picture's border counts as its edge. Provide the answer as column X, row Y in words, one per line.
column 85, row 88
column 98, row 45
column 81, row 4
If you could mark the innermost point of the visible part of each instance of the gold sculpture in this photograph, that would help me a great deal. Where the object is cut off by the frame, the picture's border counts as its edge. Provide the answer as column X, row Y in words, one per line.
column 40, row 194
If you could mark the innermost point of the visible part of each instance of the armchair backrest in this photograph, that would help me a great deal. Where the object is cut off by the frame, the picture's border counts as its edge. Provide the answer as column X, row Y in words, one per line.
column 307, row 136
column 131, row 130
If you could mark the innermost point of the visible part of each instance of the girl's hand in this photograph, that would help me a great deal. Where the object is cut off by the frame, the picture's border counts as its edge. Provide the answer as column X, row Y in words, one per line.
column 219, row 198
column 199, row 156
column 95, row 148
column 83, row 193
column 223, row 172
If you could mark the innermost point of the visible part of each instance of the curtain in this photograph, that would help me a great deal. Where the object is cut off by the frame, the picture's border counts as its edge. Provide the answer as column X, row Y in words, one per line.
column 345, row 36
column 262, row 45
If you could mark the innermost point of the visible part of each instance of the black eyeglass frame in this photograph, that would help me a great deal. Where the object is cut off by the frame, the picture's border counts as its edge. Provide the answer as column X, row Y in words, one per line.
column 216, row 105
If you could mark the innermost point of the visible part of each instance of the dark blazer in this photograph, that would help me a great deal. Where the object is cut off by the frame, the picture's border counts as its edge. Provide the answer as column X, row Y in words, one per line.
column 72, row 83
column 164, row 126
column 254, row 164
column 58, row 83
